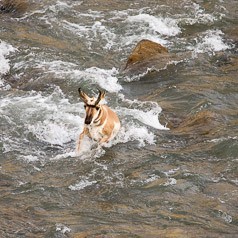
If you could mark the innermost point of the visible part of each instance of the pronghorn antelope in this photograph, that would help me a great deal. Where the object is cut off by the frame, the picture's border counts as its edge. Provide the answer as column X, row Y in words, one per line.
column 101, row 123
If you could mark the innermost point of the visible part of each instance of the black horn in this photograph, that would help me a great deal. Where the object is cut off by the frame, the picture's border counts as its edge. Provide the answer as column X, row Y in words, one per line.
column 100, row 96
column 80, row 91
column 83, row 95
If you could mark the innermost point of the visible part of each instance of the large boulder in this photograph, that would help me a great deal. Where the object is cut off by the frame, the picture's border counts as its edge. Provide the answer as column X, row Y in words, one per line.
column 149, row 56
column 144, row 51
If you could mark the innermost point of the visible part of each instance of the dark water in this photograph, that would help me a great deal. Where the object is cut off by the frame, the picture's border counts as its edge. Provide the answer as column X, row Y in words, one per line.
column 150, row 181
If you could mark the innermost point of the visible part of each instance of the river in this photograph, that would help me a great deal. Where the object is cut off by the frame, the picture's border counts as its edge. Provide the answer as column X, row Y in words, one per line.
column 172, row 169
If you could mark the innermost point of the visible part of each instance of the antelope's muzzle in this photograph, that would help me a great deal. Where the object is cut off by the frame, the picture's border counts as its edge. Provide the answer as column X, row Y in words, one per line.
column 88, row 120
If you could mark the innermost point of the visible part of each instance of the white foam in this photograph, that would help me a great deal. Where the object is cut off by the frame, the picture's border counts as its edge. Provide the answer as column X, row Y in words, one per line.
column 149, row 118
column 50, row 13
column 105, row 78
column 137, row 77
column 5, row 50
column 235, row 181
column 151, row 178
column 221, row 139
column 171, row 172
column 89, row 149
column 64, row 155
column 95, row 30
column 90, row 14
column 225, row 216
column 80, row 30
column 130, row 40
column 146, row 112
column 135, row 118
column 54, row 133
column 134, row 132
column 82, row 184
column 171, row 181
column 30, row 158
column 51, row 119
column 62, row 228
column 59, row 6
column 106, row 34
column 4, row 85
column 209, row 42
column 198, row 15
column 156, row 25
column 147, row 27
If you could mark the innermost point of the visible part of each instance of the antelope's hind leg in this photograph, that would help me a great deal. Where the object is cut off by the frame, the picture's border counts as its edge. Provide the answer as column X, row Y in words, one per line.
column 109, row 136
column 105, row 139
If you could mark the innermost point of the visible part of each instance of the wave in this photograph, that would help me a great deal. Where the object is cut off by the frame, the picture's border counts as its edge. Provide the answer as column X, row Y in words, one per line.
column 156, row 25
column 105, row 78
column 210, row 41
column 52, row 121
column 5, row 50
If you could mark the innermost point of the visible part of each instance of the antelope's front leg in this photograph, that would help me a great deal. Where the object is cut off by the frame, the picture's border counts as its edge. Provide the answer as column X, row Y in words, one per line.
column 81, row 136
column 79, row 142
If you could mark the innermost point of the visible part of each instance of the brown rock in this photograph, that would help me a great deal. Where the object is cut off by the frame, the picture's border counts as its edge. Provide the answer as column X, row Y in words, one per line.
column 201, row 123
column 149, row 57
column 13, row 6
column 145, row 50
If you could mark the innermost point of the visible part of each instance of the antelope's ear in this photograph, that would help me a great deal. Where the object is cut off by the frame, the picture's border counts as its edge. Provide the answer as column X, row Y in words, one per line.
column 83, row 95
column 100, row 96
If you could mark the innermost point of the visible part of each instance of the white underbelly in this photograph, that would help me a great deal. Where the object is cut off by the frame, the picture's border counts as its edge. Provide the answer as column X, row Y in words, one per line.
column 96, row 132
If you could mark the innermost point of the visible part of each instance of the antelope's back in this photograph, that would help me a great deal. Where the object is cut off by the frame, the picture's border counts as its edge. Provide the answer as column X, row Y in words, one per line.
column 113, row 124
column 112, row 116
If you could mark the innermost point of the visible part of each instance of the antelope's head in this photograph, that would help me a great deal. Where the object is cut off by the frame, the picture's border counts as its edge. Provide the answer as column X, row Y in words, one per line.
column 92, row 105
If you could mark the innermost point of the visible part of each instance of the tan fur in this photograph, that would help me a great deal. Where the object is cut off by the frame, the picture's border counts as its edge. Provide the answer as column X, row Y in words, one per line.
column 104, row 124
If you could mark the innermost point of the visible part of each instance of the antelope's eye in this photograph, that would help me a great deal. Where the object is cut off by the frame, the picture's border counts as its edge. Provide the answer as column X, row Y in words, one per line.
column 97, row 108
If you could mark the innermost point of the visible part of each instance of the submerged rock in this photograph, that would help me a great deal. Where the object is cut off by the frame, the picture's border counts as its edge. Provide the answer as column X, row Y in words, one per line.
column 13, row 6
column 201, row 123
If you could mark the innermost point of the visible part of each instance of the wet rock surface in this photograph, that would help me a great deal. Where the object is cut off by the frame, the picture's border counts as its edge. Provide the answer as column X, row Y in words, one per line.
column 148, row 57
column 14, row 7
column 145, row 50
